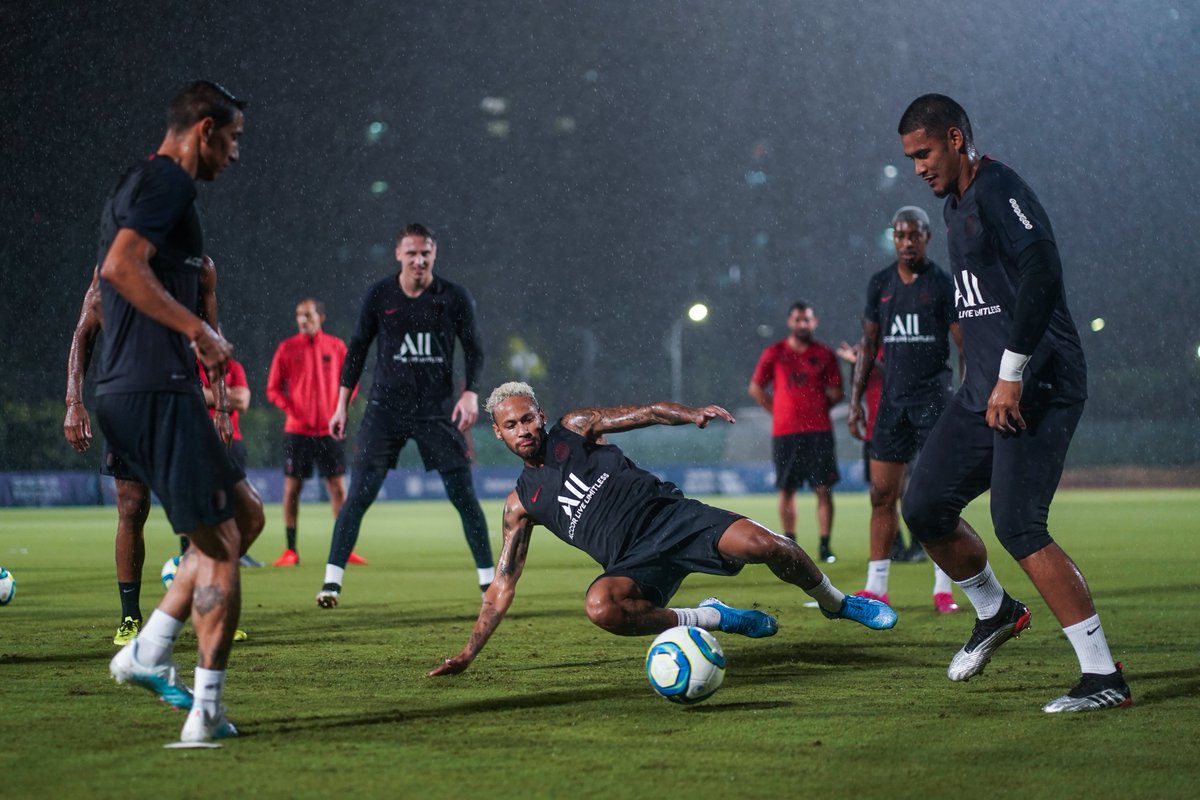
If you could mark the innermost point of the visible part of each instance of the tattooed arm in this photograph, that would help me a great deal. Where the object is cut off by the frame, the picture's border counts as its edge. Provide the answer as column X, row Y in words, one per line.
column 499, row 596
column 77, row 425
column 592, row 423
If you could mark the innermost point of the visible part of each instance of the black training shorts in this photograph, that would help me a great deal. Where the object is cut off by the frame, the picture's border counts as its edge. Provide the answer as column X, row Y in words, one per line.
column 384, row 433
column 901, row 431
column 301, row 453
column 112, row 465
column 963, row 458
column 804, row 458
column 679, row 540
column 167, row 441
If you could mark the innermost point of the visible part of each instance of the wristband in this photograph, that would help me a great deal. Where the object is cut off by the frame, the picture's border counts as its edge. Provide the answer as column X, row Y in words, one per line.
column 1012, row 365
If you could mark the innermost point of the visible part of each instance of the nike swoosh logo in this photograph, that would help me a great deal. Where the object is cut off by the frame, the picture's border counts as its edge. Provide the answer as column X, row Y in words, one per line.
column 391, row 310
column 1093, row 630
column 885, row 299
column 536, row 495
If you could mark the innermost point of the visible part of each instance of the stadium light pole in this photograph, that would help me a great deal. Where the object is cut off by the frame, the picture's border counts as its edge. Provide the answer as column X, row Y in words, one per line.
column 698, row 312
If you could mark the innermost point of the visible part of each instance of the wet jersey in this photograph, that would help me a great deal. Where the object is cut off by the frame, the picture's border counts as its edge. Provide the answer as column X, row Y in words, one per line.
column 414, row 354
column 591, row 496
column 914, row 328
column 799, row 403
column 155, row 198
column 997, row 217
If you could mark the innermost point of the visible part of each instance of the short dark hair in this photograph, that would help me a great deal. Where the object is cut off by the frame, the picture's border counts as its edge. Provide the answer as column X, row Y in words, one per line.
column 318, row 306
column 799, row 305
column 201, row 99
column 936, row 114
column 416, row 229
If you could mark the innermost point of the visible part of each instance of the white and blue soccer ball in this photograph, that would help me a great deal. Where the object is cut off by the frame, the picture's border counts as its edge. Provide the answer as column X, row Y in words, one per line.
column 8, row 586
column 685, row 664
column 168, row 571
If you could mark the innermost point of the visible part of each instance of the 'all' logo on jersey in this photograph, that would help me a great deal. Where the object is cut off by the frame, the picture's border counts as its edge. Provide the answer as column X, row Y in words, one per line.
column 419, row 344
column 906, row 325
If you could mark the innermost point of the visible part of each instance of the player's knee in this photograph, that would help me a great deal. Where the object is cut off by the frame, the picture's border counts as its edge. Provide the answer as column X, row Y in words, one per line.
column 927, row 517
column 134, row 508
column 605, row 613
column 1019, row 535
column 883, row 496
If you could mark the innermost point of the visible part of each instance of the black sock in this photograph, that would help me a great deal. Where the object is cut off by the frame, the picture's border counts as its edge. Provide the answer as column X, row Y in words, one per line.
column 131, row 595
column 291, row 538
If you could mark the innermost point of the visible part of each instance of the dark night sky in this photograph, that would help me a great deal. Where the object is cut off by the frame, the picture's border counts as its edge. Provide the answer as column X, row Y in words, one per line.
column 623, row 186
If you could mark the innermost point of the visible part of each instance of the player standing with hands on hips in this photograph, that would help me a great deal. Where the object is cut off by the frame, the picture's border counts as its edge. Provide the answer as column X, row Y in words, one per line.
column 1009, row 426
column 416, row 317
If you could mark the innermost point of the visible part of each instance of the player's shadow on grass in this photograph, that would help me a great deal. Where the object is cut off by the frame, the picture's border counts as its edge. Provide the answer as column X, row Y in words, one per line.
column 441, row 712
column 1164, row 685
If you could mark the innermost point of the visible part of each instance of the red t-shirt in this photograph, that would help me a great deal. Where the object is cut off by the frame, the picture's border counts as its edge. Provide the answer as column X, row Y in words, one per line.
column 235, row 375
column 305, row 375
column 798, row 381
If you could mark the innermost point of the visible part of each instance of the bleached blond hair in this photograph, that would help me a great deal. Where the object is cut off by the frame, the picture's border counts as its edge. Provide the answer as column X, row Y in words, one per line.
column 507, row 390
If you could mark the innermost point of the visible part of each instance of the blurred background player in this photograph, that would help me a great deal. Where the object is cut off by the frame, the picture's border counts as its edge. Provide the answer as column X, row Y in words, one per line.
column 910, row 312
column 798, row 381
column 849, row 353
column 416, row 317
column 587, row 493
column 1010, row 424
column 224, row 412
column 303, row 383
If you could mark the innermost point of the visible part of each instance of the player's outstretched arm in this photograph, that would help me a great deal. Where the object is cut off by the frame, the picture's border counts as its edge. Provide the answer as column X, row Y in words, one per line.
column 77, row 425
column 592, row 423
column 499, row 596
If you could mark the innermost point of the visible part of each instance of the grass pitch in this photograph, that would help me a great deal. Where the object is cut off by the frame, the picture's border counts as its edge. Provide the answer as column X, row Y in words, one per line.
column 335, row 703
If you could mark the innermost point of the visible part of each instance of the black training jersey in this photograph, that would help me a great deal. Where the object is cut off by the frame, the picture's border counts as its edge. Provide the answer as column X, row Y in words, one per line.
column 997, row 217
column 591, row 496
column 414, row 355
column 914, row 328
column 155, row 198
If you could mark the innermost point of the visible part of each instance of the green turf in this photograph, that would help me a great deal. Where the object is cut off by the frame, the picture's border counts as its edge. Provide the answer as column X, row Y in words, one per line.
column 334, row 703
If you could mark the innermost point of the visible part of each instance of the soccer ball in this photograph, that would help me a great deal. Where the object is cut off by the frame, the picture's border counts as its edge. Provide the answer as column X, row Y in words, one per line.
column 8, row 586
column 168, row 571
column 685, row 664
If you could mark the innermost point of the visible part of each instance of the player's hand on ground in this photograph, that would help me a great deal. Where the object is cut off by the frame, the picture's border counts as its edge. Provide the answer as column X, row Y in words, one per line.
column 224, row 425
column 213, row 350
column 337, row 423
column 709, row 413
column 451, row 666
column 854, row 421
column 1004, row 407
column 77, row 427
column 466, row 411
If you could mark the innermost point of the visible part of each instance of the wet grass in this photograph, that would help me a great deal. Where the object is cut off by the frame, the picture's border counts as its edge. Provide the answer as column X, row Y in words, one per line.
column 335, row 703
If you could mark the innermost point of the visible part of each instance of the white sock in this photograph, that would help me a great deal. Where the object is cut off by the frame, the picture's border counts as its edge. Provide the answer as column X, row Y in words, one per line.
column 941, row 581
column 828, row 596
column 877, row 576
column 209, row 684
column 486, row 575
column 156, row 639
column 708, row 618
column 333, row 574
column 1091, row 647
column 984, row 592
